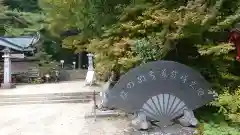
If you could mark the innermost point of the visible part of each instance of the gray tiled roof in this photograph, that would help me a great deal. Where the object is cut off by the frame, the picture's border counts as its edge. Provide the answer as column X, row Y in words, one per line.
column 22, row 43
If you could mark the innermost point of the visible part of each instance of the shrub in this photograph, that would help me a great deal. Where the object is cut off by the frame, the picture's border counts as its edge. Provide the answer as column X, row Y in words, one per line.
column 229, row 104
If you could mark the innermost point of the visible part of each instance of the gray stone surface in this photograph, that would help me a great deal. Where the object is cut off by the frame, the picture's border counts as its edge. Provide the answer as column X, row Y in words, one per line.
column 160, row 89
column 188, row 119
column 140, row 121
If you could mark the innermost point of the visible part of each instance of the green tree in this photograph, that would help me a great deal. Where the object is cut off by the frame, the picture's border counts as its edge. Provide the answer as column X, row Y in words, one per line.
column 3, row 17
column 88, row 16
column 23, row 5
column 193, row 32
column 15, row 22
column 168, row 29
column 23, row 18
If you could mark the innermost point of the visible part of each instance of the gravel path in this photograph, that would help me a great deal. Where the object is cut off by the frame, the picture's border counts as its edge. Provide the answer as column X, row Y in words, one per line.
column 50, row 119
column 105, row 126
column 54, row 119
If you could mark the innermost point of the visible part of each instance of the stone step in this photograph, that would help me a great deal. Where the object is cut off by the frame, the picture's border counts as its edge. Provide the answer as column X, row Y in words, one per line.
column 76, row 97
column 46, row 98
column 66, row 94
column 46, row 102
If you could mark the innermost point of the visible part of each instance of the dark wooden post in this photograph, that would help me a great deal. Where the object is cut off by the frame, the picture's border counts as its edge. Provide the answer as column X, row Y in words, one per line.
column 79, row 60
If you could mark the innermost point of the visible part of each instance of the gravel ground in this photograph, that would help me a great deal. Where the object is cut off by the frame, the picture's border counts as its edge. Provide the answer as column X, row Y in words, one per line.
column 42, row 119
column 115, row 125
column 55, row 119
column 105, row 126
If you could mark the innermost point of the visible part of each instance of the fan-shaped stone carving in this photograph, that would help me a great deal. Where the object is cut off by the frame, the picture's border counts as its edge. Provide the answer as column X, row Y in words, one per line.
column 163, row 105
column 160, row 89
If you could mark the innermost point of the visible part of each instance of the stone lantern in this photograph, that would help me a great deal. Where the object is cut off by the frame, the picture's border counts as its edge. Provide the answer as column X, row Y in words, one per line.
column 90, row 77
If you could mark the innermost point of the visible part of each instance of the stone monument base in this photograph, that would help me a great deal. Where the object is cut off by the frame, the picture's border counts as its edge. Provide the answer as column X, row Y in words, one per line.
column 104, row 114
column 7, row 86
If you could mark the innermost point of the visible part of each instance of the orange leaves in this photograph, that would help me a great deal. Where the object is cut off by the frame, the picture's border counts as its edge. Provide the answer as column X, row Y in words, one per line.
column 119, row 48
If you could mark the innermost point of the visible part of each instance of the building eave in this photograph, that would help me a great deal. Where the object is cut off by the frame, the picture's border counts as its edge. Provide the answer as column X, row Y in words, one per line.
column 22, row 43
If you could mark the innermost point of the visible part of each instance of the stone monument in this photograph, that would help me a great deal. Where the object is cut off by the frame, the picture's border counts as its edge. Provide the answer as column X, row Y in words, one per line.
column 162, row 96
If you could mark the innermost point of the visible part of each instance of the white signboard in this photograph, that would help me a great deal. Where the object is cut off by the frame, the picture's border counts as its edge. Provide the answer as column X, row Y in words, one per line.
column 21, row 56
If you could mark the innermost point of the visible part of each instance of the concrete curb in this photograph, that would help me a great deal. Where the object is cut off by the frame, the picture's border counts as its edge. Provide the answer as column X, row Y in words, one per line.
column 104, row 114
